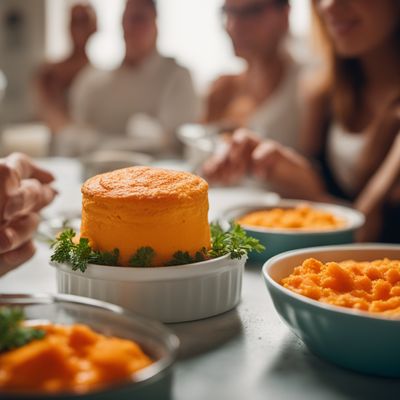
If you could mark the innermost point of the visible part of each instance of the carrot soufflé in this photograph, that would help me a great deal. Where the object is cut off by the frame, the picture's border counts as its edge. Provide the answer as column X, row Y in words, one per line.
column 138, row 207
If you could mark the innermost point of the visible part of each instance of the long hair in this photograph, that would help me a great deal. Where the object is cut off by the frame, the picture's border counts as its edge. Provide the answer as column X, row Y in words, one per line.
column 344, row 77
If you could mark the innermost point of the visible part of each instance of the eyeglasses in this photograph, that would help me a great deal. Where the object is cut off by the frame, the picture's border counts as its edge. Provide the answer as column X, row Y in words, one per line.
column 136, row 19
column 250, row 11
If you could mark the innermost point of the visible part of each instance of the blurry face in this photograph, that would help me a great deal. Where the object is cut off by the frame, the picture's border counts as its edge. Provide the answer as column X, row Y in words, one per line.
column 357, row 27
column 82, row 24
column 140, row 28
column 256, row 27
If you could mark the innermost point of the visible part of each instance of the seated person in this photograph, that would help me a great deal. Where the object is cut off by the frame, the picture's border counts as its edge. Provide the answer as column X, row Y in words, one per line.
column 54, row 80
column 263, row 97
column 359, row 101
column 146, row 83
column 24, row 190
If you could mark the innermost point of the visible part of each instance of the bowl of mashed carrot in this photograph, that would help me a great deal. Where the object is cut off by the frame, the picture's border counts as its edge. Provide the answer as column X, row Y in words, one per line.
column 343, row 302
column 69, row 347
column 294, row 224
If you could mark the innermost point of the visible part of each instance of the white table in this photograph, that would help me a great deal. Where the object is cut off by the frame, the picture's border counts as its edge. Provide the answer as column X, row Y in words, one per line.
column 244, row 354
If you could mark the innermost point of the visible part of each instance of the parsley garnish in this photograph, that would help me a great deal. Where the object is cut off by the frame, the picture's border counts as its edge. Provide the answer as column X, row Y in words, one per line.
column 143, row 257
column 183, row 257
column 12, row 333
column 233, row 241
column 80, row 254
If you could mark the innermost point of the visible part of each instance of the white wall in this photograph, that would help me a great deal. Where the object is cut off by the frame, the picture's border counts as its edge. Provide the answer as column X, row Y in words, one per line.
column 22, row 37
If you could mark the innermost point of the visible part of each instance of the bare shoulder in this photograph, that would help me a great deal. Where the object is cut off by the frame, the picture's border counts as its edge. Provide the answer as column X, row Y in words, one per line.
column 223, row 83
column 220, row 93
column 223, row 89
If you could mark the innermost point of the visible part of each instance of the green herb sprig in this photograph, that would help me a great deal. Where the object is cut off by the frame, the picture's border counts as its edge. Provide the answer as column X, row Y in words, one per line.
column 183, row 257
column 12, row 332
column 79, row 255
column 233, row 241
column 143, row 257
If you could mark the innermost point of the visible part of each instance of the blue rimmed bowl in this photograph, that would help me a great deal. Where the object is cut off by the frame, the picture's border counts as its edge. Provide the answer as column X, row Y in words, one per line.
column 357, row 340
column 277, row 241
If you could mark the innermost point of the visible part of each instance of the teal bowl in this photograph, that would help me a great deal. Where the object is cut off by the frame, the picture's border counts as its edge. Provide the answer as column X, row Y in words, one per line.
column 153, row 382
column 277, row 241
column 357, row 340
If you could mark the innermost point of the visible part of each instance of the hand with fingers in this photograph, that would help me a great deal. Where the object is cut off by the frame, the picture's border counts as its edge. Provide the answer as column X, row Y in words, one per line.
column 287, row 172
column 24, row 190
column 231, row 165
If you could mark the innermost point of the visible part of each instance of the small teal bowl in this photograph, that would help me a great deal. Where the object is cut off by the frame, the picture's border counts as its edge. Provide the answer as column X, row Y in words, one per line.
column 277, row 241
column 352, row 339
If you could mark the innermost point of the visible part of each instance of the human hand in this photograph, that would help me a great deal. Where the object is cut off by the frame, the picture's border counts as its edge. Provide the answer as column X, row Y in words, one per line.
column 287, row 172
column 24, row 190
column 230, row 165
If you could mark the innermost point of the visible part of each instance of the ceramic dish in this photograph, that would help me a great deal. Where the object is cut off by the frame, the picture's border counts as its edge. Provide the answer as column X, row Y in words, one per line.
column 157, row 341
column 168, row 294
column 279, row 240
column 357, row 340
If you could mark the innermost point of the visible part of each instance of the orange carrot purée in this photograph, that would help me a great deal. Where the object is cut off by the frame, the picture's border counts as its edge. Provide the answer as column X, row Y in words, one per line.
column 372, row 286
column 70, row 358
column 301, row 217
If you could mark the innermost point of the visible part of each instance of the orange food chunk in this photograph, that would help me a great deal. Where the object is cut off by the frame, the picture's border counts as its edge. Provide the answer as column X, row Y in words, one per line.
column 300, row 217
column 392, row 275
column 338, row 278
column 370, row 286
column 74, row 359
column 81, row 337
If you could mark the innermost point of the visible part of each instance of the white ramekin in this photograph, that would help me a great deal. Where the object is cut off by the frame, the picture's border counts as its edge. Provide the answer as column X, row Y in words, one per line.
column 168, row 294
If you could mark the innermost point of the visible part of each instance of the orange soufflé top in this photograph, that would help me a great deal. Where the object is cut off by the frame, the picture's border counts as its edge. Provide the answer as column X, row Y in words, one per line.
column 146, row 184
column 372, row 286
column 300, row 217
column 138, row 207
column 70, row 359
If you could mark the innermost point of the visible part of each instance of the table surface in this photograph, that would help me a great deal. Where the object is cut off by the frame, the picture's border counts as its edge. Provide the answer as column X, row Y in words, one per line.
column 247, row 353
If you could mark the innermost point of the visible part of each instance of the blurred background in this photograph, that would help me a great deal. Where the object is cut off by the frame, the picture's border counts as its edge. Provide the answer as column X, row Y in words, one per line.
column 37, row 31
column 191, row 31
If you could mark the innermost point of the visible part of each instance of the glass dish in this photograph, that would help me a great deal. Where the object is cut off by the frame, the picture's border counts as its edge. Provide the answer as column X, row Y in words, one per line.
column 155, row 339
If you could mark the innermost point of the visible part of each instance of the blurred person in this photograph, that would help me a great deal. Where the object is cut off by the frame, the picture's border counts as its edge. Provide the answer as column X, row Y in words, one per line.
column 54, row 80
column 351, row 122
column 24, row 190
column 264, row 96
column 147, row 85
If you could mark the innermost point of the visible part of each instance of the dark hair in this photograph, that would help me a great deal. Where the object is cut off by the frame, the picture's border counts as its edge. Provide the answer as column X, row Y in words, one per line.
column 345, row 78
column 345, row 81
column 153, row 3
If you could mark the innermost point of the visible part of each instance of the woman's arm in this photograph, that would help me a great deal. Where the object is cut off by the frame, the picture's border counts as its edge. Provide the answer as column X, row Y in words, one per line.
column 376, row 192
column 380, row 137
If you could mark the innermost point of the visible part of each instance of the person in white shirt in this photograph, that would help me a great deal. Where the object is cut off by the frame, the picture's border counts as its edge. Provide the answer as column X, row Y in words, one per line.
column 147, row 85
